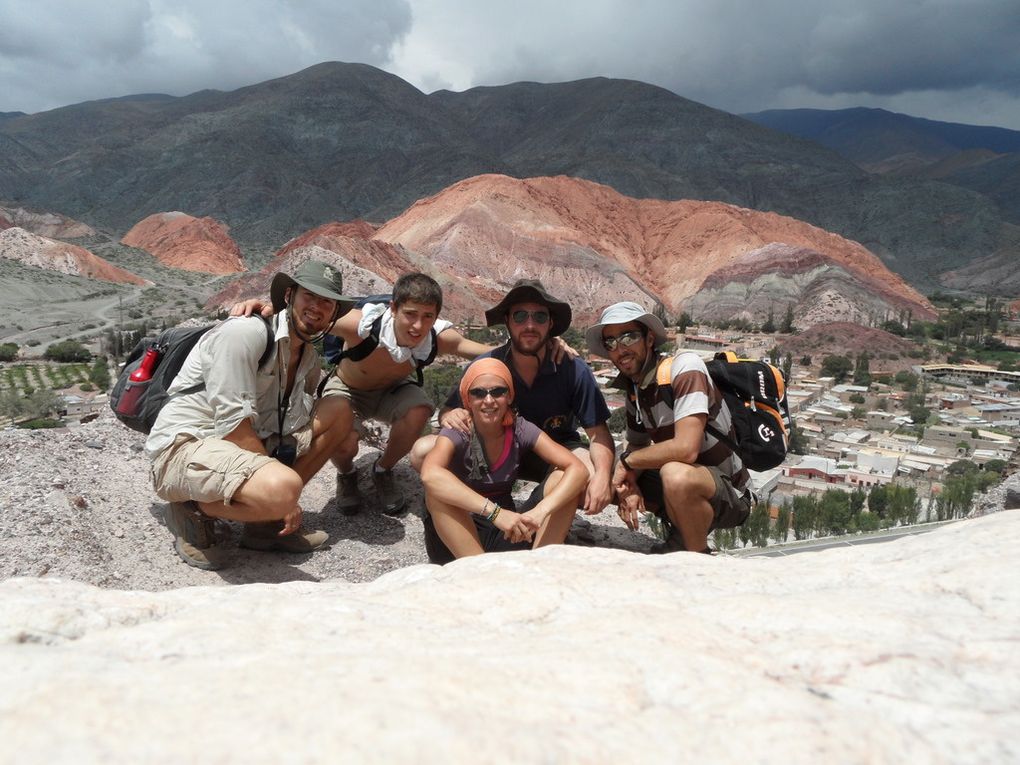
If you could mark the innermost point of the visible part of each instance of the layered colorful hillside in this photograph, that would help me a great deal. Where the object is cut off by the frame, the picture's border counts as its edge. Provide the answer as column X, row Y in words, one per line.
column 41, row 252
column 179, row 240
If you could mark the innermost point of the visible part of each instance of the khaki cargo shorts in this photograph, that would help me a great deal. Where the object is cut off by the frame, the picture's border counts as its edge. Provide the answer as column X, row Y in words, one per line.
column 385, row 404
column 211, row 469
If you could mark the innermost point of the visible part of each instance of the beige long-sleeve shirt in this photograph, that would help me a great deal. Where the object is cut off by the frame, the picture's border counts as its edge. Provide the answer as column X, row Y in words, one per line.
column 226, row 361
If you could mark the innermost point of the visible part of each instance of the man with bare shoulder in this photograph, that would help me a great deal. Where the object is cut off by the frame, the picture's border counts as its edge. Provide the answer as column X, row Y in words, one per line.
column 383, row 384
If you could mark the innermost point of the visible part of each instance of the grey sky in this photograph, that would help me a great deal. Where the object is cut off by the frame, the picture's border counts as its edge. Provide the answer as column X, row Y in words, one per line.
column 954, row 60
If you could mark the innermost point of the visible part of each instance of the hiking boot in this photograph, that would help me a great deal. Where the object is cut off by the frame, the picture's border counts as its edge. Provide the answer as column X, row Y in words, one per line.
column 266, row 537
column 386, row 490
column 194, row 536
column 207, row 558
column 348, row 497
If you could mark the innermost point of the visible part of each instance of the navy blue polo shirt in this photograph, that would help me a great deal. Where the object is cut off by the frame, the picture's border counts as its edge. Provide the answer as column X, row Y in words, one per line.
column 562, row 396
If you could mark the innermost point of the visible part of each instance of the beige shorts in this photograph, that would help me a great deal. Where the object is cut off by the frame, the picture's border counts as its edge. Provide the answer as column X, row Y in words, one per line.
column 211, row 469
column 385, row 404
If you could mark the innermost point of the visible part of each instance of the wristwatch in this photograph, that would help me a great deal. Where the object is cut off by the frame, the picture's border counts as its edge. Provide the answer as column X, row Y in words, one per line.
column 623, row 458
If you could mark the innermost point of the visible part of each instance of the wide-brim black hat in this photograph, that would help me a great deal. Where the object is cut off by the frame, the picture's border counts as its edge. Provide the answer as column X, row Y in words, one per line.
column 531, row 291
column 315, row 276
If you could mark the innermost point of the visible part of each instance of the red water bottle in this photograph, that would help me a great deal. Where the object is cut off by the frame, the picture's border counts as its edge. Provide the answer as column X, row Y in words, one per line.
column 138, row 381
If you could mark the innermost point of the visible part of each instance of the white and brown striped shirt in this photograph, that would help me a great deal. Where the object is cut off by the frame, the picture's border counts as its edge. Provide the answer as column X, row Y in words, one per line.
column 682, row 389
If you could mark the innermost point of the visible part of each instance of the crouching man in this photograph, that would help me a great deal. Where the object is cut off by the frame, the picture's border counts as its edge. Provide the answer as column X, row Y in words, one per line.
column 238, row 440
column 670, row 465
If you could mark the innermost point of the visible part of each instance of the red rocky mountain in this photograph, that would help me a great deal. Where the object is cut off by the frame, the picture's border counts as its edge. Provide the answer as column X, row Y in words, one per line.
column 593, row 246
column 181, row 241
column 41, row 252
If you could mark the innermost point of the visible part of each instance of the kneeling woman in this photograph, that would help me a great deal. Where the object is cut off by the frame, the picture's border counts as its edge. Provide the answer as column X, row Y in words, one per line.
column 468, row 478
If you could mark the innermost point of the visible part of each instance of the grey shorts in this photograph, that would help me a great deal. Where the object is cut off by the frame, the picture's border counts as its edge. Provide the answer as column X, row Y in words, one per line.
column 730, row 509
column 385, row 404
column 211, row 469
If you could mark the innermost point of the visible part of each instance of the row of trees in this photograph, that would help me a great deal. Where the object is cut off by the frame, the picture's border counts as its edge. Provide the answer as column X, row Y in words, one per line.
column 837, row 512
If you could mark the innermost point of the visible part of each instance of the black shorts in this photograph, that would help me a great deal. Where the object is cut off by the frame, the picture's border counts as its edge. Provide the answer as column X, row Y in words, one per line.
column 730, row 509
column 491, row 537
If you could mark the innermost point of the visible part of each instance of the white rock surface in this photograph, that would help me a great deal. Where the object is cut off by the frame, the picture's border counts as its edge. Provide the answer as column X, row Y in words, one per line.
column 899, row 652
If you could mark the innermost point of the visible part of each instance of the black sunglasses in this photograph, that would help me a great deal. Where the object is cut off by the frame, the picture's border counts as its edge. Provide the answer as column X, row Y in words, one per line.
column 626, row 339
column 480, row 394
column 539, row 317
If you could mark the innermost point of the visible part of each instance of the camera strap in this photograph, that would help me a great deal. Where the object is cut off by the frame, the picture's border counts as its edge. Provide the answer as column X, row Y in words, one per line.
column 282, row 395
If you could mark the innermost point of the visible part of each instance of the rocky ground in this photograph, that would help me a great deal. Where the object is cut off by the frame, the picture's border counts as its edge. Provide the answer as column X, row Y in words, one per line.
column 77, row 504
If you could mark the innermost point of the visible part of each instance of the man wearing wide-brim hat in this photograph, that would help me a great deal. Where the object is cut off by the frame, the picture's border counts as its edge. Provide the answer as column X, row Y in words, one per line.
column 556, row 395
column 241, row 433
column 672, row 464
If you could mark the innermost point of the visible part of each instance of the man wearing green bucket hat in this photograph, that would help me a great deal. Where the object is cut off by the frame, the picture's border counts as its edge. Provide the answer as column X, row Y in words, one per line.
column 241, row 433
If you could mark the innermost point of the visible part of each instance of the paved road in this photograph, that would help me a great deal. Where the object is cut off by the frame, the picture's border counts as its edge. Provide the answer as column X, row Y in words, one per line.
column 825, row 544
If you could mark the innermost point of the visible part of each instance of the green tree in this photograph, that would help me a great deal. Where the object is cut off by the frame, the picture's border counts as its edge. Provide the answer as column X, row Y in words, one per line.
column 440, row 380
column 67, row 351
column 805, row 516
column 8, row 351
column 836, row 367
column 995, row 466
column 834, row 512
column 862, row 369
column 786, row 327
column 758, row 525
column 878, row 501
column 683, row 322
column 770, row 323
column 906, row 380
column 99, row 374
column 781, row 527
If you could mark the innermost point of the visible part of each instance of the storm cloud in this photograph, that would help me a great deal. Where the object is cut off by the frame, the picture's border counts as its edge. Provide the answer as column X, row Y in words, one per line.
column 955, row 60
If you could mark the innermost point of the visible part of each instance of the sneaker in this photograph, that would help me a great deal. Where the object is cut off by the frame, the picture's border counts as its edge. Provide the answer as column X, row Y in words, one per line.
column 348, row 497
column 266, row 538
column 386, row 490
column 194, row 536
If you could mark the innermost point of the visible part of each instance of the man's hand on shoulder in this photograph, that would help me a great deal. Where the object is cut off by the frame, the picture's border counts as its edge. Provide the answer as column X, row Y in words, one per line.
column 251, row 306
column 456, row 419
column 559, row 349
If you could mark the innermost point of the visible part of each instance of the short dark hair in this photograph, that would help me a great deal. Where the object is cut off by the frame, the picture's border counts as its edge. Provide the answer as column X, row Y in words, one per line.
column 418, row 288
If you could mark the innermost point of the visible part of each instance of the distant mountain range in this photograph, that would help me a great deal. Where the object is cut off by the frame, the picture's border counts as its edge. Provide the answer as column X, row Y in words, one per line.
column 345, row 141
column 982, row 159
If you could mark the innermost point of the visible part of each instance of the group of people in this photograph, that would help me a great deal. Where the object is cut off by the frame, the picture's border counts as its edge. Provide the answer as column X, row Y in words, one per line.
column 244, row 431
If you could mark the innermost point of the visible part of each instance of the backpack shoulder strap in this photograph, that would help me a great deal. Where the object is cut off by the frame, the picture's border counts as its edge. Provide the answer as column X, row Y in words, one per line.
column 362, row 350
column 270, row 341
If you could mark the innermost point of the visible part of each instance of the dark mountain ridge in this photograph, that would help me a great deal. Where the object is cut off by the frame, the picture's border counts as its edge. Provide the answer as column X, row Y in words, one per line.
column 342, row 141
column 869, row 135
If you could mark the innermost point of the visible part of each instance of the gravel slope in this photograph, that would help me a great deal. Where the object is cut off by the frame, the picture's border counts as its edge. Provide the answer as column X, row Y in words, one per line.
column 77, row 504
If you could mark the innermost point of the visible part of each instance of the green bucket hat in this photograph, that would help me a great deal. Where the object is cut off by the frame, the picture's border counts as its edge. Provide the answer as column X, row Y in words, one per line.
column 315, row 276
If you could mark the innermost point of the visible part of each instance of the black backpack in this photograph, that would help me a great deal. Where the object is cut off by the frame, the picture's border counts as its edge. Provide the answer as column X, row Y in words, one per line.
column 137, row 403
column 755, row 394
column 334, row 351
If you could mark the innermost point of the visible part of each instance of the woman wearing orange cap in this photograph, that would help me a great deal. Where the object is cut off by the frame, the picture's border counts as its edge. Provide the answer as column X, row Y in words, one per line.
column 469, row 478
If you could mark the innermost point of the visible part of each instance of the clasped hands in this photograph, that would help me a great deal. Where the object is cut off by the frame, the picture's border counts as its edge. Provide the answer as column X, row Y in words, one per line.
column 520, row 527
